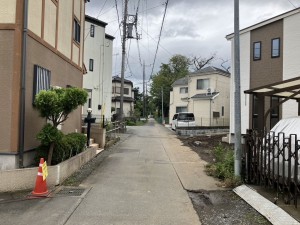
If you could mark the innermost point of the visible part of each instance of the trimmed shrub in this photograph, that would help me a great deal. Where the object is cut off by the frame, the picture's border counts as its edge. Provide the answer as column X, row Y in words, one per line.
column 66, row 147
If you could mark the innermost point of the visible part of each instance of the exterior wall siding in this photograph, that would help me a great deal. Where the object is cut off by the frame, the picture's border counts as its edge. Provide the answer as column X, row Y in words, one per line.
column 8, row 11
column 99, row 49
column 108, row 51
column 65, row 25
column 50, row 22
column 6, row 94
column 245, row 54
column 127, row 106
column 49, row 44
column 62, row 74
column 203, row 108
column 291, row 56
column 267, row 70
column 35, row 16
column 75, row 52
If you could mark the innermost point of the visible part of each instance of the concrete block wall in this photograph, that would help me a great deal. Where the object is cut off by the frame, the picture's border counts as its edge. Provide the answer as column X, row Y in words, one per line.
column 23, row 179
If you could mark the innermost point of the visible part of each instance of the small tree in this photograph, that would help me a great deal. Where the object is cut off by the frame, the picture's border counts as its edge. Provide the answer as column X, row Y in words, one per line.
column 56, row 105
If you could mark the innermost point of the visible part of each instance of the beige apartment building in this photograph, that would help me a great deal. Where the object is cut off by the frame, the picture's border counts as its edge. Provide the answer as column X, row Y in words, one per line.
column 41, row 45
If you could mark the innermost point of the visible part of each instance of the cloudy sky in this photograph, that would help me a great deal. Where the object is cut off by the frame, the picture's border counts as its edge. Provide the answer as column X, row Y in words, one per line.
column 191, row 28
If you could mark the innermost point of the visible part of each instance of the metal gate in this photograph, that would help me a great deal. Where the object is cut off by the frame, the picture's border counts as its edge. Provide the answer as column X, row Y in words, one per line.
column 272, row 160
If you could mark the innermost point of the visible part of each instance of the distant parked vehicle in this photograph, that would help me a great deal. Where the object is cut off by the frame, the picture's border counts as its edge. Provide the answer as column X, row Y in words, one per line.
column 183, row 119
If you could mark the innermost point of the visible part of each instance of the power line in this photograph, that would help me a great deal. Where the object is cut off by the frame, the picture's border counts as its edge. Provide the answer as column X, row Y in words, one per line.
column 96, row 18
column 162, row 24
column 158, row 43
column 292, row 4
column 116, row 4
column 136, row 31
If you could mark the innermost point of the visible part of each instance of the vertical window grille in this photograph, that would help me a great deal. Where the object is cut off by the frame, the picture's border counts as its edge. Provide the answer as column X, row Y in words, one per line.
column 92, row 30
column 91, row 65
column 41, row 80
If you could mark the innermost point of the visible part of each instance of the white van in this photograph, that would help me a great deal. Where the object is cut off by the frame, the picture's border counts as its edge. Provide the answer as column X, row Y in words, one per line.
column 183, row 119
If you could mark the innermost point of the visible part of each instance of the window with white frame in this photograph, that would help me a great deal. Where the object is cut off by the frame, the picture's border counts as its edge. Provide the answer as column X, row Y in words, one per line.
column 183, row 90
column 202, row 84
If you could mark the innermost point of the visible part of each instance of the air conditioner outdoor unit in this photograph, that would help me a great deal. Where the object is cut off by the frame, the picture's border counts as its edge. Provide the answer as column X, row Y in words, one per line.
column 208, row 91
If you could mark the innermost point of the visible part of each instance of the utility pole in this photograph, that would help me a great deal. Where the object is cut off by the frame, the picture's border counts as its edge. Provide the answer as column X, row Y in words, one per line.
column 162, row 106
column 237, row 94
column 123, row 58
column 144, row 100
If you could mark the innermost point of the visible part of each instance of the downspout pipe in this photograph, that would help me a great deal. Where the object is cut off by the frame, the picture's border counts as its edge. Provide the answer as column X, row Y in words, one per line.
column 23, row 85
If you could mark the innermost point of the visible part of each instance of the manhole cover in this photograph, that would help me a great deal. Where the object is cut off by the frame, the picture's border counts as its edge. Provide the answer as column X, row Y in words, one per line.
column 66, row 191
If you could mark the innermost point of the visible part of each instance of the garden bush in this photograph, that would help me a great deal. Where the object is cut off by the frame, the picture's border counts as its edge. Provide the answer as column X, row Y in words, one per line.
column 67, row 146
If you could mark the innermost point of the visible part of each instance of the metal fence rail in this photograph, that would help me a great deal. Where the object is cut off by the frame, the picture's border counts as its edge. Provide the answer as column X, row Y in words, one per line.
column 272, row 160
column 114, row 128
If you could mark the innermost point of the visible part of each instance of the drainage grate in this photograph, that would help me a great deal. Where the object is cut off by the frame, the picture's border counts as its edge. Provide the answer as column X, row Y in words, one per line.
column 70, row 191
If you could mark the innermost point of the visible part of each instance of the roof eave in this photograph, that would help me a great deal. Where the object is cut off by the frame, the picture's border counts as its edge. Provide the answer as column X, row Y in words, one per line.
column 265, row 22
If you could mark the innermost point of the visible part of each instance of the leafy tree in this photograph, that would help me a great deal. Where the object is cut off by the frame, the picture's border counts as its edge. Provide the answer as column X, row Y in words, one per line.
column 56, row 105
column 177, row 67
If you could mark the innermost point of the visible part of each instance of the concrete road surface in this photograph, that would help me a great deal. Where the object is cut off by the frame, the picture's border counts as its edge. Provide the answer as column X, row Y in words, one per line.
column 143, row 181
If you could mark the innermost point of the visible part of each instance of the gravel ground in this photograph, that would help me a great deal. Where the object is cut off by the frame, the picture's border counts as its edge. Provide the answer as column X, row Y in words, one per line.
column 219, row 207
column 213, row 207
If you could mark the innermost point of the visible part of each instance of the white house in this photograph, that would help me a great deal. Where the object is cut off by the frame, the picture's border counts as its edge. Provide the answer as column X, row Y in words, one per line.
column 98, row 60
column 206, row 94
column 128, row 100
column 269, row 54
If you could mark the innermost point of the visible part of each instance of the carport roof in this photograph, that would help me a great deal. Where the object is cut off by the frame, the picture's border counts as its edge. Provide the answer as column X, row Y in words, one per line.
column 285, row 89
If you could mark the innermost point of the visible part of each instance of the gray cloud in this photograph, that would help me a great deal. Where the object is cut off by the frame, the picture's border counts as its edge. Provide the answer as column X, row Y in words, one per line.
column 192, row 27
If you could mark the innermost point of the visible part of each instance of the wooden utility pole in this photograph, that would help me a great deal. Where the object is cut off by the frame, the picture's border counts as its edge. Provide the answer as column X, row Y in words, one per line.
column 123, row 58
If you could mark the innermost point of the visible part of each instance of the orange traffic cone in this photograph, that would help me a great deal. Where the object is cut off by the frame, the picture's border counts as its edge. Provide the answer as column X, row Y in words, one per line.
column 40, row 189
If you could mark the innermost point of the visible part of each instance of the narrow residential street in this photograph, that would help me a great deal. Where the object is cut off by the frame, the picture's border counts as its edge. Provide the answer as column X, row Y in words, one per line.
column 137, row 183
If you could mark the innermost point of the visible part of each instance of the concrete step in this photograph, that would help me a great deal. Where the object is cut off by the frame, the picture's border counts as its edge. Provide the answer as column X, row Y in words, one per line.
column 92, row 141
column 94, row 145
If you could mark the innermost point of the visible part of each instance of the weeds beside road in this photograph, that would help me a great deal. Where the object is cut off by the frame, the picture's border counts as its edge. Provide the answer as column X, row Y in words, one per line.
column 220, row 207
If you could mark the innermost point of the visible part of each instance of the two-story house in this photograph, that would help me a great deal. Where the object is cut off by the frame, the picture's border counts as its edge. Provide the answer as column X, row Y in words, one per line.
column 206, row 94
column 128, row 100
column 269, row 56
column 41, row 45
column 98, row 48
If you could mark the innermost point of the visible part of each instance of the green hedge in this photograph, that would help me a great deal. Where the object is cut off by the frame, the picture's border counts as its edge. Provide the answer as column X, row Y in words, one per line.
column 69, row 145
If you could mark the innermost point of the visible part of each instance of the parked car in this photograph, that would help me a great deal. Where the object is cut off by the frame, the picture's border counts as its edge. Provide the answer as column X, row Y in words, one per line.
column 183, row 119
